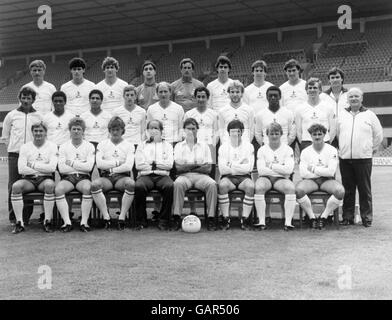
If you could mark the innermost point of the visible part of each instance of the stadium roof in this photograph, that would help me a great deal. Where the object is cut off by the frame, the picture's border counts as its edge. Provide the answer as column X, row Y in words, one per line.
column 81, row 24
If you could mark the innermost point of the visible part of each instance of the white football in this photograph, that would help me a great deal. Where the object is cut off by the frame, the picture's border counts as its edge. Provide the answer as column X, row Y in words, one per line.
column 191, row 224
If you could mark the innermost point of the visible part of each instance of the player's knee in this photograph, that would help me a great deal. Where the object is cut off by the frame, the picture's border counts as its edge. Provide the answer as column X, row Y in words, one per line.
column 223, row 187
column 129, row 185
column 339, row 193
column 17, row 188
column 96, row 185
column 249, row 188
column 49, row 186
column 86, row 188
column 288, row 189
column 260, row 188
column 300, row 192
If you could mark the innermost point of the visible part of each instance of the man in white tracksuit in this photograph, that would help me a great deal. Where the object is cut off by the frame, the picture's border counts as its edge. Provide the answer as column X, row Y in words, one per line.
column 359, row 134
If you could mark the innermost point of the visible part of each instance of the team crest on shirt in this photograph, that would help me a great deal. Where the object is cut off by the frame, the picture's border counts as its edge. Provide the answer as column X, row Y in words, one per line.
column 130, row 120
column 275, row 159
column 223, row 92
column 111, row 95
column 164, row 117
column 235, row 117
column 314, row 116
column 320, row 163
column 78, row 95
column 39, row 157
column 77, row 157
column 59, row 126
column 115, row 154
column 96, row 125
column 201, row 123
column 260, row 96
column 293, row 95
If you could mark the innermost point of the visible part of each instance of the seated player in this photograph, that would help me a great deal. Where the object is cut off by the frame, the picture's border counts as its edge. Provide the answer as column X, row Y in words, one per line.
column 317, row 168
column 275, row 164
column 193, row 164
column 36, row 164
column 235, row 161
column 76, row 161
column 154, row 159
column 115, row 157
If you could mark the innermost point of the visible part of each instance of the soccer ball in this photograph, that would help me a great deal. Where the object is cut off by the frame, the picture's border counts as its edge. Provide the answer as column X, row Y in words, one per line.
column 191, row 224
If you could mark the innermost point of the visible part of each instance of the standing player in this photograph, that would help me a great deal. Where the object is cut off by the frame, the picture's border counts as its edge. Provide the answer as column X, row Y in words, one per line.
column 236, row 110
column 43, row 89
column 57, row 120
column 183, row 88
column 36, row 164
column 317, row 168
column 168, row 112
column 293, row 91
column 112, row 87
column 146, row 93
column 275, row 114
column 255, row 94
column 77, row 89
column 218, row 88
column 193, row 165
column 76, row 161
column 336, row 95
column 275, row 164
column 15, row 133
column 154, row 160
column 96, row 119
column 115, row 157
column 236, row 160
column 133, row 116
column 312, row 112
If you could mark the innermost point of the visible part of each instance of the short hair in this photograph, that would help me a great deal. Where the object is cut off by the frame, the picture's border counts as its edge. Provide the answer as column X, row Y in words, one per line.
column 77, row 63
column 236, row 84
column 202, row 89
column 27, row 91
column 355, row 89
column 274, row 127
column 95, row 91
column 222, row 60
column 291, row 64
column 147, row 62
column 187, row 60
column 59, row 93
column 155, row 120
column 312, row 81
column 316, row 128
column 191, row 121
column 37, row 63
column 163, row 83
column 116, row 122
column 77, row 121
column 129, row 87
column 110, row 61
column 336, row 70
column 259, row 63
column 37, row 125
column 274, row 88
column 235, row 124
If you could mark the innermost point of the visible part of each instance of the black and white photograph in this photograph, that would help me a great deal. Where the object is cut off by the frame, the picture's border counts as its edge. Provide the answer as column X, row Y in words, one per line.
column 191, row 156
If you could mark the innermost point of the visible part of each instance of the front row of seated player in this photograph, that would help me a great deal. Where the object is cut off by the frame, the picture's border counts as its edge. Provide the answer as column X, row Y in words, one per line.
column 154, row 160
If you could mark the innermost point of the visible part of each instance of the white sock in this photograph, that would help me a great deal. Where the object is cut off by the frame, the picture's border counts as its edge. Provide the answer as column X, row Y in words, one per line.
column 224, row 204
column 289, row 207
column 305, row 203
column 100, row 201
column 87, row 203
column 49, row 199
column 62, row 207
column 260, row 207
column 332, row 204
column 247, row 206
column 126, row 203
column 17, row 205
